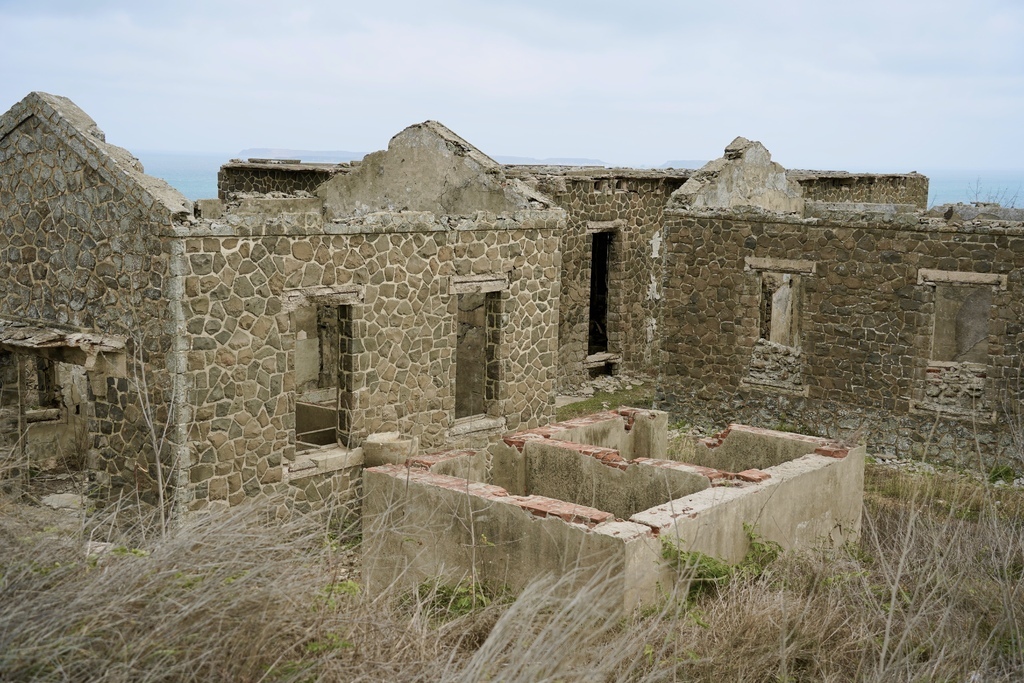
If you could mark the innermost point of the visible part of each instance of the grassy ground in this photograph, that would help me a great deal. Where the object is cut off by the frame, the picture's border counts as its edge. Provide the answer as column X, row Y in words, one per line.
column 934, row 591
column 637, row 397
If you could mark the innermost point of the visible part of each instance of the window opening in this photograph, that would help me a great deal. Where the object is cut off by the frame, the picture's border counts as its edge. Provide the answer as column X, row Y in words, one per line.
column 323, row 367
column 960, row 333
column 778, row 320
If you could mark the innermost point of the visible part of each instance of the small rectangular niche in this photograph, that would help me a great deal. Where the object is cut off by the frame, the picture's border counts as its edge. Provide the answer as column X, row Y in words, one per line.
column 776, row 360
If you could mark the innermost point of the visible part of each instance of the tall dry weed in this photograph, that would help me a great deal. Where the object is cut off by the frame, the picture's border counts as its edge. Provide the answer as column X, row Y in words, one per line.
column 933, row 591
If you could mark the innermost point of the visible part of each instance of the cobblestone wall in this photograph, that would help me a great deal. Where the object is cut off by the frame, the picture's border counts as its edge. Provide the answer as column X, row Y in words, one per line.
column 631, row 207
column 870, row 188
column 81, row 250
column 237, row 177
column 396, row 273
column 866, row 320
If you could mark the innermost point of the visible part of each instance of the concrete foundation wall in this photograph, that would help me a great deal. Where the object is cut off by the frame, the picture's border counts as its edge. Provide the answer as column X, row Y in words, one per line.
column 741, row 447
column 632, row 432
column 599, row 478
column 808, row 502
column 555, row 507
column 420, row 526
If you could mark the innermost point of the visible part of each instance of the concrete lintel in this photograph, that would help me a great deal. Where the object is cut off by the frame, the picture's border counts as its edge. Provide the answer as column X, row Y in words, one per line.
column 340, row 295
column 605, row 226
column 780, row 265
column 479, row 284
column 324, row 461
column 957, row 277
column 477, row 424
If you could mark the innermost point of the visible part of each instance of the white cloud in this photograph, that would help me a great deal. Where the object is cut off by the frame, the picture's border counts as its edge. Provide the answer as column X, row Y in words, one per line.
column 869, row 84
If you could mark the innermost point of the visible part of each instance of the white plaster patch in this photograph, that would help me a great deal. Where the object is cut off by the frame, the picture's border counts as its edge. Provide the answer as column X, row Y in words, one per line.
column 652, row 291
column 656, row 245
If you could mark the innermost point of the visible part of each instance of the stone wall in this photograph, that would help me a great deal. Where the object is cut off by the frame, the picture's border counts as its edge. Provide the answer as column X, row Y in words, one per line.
column 867, row 327
column 629, row 204
column 82, row 252
column 865, row 188
column 254, row 177
column 399, row 276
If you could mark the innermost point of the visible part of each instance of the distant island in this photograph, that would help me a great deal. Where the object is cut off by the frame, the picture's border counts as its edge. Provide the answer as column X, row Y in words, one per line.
column 319, row 156
column 339, row 156
column 684, row 163
column 551, row 161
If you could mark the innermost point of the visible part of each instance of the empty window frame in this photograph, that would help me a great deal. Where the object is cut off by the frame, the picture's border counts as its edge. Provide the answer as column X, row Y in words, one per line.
column 779, row 320
column 960, row 330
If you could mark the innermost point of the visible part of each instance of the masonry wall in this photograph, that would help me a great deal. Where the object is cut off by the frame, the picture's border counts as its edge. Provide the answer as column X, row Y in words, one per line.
column 911, row 188
column 397, row 271
column 80, row 250
column 631, row 207
column 261, row 178
column 866, row 323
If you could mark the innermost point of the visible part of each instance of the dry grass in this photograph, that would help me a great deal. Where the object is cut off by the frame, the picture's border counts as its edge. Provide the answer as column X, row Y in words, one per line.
column 934, row 591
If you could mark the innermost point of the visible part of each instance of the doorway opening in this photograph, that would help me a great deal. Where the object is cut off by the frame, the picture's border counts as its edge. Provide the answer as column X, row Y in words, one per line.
column 323, row 367
column 597, row 338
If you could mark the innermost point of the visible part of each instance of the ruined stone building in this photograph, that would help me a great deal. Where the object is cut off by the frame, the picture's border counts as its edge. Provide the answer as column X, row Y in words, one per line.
column 430, row 297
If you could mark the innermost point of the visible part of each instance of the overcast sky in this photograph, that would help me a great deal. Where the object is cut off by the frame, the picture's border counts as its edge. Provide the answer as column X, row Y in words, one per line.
column 884, row 85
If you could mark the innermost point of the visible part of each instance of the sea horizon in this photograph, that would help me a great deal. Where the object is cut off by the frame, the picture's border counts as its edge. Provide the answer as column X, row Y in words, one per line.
column 195, row 176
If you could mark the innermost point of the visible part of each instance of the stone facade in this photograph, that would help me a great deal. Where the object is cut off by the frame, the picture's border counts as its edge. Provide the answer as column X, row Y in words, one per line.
column 82, row 253
column 256, row 343
column 863, row 188
column 625, row 206
column 868, row 328
column 261, row 343
column 263, row 176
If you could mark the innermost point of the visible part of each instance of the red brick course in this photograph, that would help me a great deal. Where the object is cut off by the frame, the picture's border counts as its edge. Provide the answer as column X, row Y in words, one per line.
column 539, row 506
column 832, row 450
column 428, row 460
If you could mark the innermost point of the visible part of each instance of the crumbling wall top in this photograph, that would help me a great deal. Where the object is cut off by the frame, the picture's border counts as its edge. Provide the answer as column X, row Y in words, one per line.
column 745, row 176
column 76, row 129
column 427, row 167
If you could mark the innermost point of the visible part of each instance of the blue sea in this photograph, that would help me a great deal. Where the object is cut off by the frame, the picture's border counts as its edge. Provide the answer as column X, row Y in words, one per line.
column 195, row 176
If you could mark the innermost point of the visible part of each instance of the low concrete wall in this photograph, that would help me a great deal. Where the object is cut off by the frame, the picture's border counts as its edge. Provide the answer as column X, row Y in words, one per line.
column 741, row 447
column 633, row 432
column 555, row 507
column 812, row 500
column 599, row 477
column 418, row 526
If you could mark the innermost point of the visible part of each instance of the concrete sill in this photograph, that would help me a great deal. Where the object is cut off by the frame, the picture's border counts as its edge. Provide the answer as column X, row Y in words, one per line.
column 323, row 461
column 773, row 387
column 43, row 415
column 477, row 424
column 987, row 417
column 599, row 360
